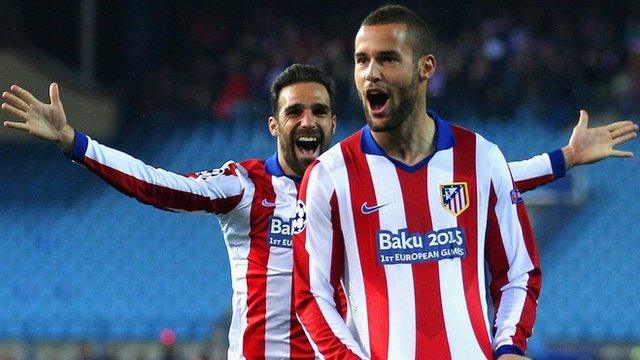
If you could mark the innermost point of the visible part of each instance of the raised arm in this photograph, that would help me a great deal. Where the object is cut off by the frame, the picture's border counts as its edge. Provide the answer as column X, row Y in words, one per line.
column 216, row 192
column 585, row 146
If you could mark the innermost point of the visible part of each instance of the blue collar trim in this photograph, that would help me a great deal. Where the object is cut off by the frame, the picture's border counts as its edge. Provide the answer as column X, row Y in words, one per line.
column 272, row 167
column 444, row 140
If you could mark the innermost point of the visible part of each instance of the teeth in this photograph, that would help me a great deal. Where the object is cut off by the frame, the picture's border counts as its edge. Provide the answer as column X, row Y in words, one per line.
column 375, row 92
column 308, row 138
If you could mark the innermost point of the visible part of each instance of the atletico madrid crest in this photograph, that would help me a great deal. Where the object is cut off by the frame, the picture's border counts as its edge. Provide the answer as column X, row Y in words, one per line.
column 454, row 197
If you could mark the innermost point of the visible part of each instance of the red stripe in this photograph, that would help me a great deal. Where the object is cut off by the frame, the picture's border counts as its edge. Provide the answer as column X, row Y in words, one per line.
column 307, row 307
column 431, row 337
column 300, row 347
column 495, row 253
column 530, row 184
column 528, row 316
column 366, row 226
column 162, row 197
column 254, row 336
column 337, row 259
column 464, row 170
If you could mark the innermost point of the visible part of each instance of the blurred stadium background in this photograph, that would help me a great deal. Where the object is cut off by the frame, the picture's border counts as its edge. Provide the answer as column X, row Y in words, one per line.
column 87, row 273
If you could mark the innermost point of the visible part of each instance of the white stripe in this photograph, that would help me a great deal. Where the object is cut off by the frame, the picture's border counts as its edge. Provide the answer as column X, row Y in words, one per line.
column 400, row 291
column 483, row 166
column 511, row 299
column 278, row 297
column 320, row 252
column 462, row 341
column 539, row 165
column 357, row 316
column 235, row 228
column 278, row 315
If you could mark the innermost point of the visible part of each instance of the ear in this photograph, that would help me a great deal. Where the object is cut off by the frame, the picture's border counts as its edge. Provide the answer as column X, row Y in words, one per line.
column 274, row 129
column 427, row 67
column 333, row 122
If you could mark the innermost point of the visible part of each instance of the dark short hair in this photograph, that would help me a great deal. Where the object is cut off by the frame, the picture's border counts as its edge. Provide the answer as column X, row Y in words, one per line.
column 298, row 73
column 418, row 31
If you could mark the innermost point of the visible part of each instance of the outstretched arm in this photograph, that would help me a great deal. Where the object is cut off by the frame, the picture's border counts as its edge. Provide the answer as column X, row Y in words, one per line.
column 44, row 121
column 585, row 146
column 219, row 192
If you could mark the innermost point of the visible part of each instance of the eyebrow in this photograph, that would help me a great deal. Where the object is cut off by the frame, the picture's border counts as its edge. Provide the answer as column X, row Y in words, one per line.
column 320, row 106
column 388, row 53
column 379, row 54
column 314, row 106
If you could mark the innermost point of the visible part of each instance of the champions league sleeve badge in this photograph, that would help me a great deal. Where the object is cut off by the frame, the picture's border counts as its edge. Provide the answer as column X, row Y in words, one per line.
column 454, row 197
column 209, row 173
column 516, row 196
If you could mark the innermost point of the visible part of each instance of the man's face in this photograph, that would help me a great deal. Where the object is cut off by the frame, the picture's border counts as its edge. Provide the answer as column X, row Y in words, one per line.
column 304, row 124
column 386, row 75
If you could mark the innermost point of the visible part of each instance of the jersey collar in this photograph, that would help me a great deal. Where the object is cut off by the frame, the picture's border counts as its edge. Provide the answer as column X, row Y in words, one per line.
column 444, row 140
column 272, row 167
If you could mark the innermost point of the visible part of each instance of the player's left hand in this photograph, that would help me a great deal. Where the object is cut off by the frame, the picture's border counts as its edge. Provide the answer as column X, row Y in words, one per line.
column 587, row 146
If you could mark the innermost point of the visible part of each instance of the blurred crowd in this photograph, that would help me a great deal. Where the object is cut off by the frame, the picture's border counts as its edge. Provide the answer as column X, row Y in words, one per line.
column 548, row 63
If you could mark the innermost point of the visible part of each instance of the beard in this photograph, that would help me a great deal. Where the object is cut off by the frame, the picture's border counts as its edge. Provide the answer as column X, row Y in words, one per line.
column 288, row 148
column 407, row 97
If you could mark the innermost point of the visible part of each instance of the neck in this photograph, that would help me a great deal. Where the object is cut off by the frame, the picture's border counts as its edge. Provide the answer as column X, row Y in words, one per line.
column 412, row 141
column 285, row 167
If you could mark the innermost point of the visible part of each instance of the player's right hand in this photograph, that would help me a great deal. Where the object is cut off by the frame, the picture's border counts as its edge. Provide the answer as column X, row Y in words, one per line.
column 45, row 121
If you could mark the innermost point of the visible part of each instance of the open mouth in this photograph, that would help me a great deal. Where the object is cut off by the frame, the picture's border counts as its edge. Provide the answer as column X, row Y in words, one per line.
column 377, row 99
column 308, row 145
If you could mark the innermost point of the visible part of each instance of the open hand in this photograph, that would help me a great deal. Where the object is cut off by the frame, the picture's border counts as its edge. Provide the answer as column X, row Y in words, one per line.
column 45, row 121
column 587, row 146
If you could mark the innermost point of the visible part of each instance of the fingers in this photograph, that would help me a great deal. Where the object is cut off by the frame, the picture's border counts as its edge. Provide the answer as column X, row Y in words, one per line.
column 54, row 93
column 15, row 101
column 583, row 121
column 16, row 125
column 618, row 124
column 618, row 153
column 24, row 94
column 15, row 112
column 623, row 139
column 624, row 128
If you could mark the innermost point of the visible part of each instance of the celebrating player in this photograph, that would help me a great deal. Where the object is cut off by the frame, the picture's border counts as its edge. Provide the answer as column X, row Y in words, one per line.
column 255, row 199
column 404, row 213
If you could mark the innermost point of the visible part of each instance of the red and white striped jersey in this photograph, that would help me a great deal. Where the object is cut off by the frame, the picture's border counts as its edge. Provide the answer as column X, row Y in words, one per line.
column 254, row 201
column 409, row 244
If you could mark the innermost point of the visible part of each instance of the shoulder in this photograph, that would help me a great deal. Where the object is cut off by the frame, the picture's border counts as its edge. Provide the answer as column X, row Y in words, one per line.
column 482, row 145
column 252, row 165
column 335, row 157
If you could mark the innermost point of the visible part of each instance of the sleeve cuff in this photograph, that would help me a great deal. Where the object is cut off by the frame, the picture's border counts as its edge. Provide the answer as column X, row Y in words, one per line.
column 507, row 349
column 80, row 145
column 557, row 163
